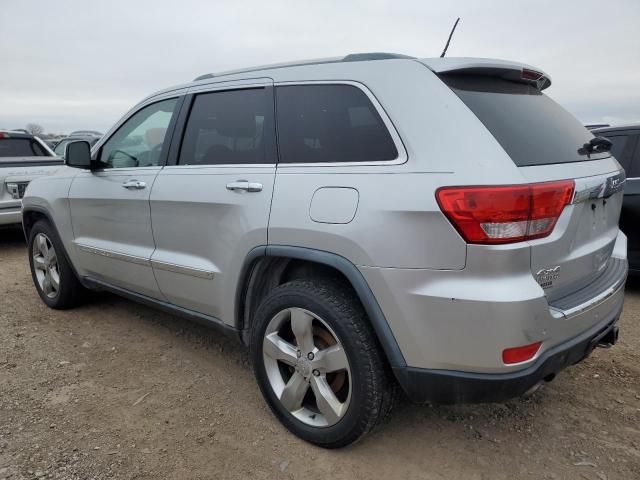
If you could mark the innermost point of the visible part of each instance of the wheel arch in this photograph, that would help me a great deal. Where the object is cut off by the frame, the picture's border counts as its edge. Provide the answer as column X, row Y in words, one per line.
column 269, row 266
column 30, row 216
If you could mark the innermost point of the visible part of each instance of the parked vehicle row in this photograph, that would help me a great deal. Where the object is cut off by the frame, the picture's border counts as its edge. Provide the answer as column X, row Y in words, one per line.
column 360, row 223
column 62, row 144
column 23, row 157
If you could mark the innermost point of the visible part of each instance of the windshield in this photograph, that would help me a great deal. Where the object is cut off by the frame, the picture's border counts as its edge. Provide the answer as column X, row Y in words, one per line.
column 530, row 126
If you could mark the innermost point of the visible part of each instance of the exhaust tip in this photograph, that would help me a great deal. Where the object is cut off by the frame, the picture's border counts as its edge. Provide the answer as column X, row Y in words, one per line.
column 533, row 389
column 539, row 385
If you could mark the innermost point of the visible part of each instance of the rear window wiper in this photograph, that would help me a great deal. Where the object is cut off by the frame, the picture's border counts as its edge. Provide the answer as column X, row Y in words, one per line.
column 596, row 145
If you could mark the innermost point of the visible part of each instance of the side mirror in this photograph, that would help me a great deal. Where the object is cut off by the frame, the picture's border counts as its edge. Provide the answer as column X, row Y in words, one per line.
column 78, row 154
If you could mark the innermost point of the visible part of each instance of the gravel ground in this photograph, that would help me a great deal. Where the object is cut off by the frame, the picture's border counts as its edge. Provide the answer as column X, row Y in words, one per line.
column 117, row 390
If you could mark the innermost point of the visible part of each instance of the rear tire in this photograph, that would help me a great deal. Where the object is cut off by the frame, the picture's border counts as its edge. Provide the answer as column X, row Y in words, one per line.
column 51, row 272
column 318, row 363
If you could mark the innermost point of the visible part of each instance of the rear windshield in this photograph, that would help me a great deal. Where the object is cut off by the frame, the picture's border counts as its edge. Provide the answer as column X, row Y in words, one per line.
column 532, row 128
column 21, row 147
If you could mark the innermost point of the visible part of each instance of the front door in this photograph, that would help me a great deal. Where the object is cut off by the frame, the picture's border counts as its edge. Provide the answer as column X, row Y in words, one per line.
column 211, row 208
column 110, row 206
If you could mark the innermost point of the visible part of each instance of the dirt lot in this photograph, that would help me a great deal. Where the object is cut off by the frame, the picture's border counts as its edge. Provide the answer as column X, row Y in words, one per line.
column 117, row 390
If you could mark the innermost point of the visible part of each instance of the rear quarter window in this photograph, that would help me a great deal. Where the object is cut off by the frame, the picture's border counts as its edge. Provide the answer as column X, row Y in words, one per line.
column 21, row 147
column 330, row 123
column 530, row 126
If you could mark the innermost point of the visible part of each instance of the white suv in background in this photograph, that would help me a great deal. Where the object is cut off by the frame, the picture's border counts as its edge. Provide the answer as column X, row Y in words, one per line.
column 360, row 223
column 23, row 157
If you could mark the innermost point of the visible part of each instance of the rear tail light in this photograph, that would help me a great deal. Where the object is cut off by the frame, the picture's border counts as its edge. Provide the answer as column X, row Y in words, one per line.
column 520, row 354
column 505, row 214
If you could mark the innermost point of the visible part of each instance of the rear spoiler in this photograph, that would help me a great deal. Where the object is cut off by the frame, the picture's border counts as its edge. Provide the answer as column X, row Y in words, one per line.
column 512, row 71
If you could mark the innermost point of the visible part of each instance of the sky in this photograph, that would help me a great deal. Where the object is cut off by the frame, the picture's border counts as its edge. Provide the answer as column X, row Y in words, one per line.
column 81, row 64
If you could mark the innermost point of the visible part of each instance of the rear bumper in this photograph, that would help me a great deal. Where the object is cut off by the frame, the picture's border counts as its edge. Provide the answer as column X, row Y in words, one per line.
column 447, row 387
column 461, row 321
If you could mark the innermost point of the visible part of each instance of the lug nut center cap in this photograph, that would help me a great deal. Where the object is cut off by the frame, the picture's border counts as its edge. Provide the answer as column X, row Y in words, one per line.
column 304, row 367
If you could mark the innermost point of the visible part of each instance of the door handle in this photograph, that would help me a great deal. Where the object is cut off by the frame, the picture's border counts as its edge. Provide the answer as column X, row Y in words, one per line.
column 244, row 185
column 134, row 185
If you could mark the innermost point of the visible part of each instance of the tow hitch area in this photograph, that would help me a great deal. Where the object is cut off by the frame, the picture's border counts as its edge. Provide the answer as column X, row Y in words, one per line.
column 610, row 337
column 605, row 339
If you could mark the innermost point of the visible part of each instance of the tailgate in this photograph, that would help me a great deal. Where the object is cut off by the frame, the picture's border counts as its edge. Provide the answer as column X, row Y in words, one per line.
column 547, row 143
column 580, row 246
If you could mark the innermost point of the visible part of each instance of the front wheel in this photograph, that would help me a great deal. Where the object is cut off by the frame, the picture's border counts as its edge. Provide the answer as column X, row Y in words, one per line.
column 318, row 363
column 52, row 274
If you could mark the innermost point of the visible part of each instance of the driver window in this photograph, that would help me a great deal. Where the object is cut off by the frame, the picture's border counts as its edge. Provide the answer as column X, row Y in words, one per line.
column 138, row 142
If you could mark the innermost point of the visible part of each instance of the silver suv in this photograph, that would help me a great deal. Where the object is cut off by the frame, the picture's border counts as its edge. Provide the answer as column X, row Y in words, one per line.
column 361, row 223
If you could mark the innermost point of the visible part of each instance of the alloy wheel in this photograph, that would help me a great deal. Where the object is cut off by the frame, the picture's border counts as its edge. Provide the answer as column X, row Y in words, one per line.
column 45, row 263
column 307, row 367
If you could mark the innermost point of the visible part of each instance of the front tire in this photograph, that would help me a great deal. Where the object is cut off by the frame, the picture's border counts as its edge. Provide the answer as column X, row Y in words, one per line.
column 52, row 274
column 318, row 363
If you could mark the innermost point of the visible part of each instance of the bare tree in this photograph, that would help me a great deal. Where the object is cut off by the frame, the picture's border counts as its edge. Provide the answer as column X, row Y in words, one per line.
column 34, row 129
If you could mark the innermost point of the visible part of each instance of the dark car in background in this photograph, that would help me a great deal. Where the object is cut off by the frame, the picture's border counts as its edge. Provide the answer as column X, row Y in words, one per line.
column 626, row 149
column 86, row 133
column 59, row 148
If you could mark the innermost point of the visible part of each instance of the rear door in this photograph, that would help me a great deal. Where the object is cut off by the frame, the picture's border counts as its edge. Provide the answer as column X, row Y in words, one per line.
column 211, row 207
column 547, row 143
column 110, row 210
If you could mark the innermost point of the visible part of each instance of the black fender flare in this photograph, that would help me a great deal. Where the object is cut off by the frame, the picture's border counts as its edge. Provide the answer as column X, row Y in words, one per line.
column 44, row 212
column 344, row 266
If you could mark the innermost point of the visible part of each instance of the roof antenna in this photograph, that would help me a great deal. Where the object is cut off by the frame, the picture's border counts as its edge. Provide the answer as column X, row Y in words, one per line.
column 449, row 39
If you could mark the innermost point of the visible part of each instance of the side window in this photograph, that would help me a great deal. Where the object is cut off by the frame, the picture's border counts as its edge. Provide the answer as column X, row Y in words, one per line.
column 623, row 149
column 330, row 123
column 59, row 148
column 634, row 163
column 139, row 141
column 618, row 148
column 229, row 127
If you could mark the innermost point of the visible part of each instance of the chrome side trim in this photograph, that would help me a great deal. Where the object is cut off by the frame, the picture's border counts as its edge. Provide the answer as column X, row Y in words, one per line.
column 169, row 267
column 191, row 271
column 115, row 255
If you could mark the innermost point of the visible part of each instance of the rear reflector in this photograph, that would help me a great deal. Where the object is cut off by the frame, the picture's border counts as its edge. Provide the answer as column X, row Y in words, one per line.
column 505, row 214
column 520, row 354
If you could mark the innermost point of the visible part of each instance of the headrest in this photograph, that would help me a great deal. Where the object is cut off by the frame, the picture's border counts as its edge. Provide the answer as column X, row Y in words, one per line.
column 236, row 123
column 320, row 123
column 154, row 136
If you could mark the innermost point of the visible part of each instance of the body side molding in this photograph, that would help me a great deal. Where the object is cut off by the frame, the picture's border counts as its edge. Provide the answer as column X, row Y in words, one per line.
column 160, row 265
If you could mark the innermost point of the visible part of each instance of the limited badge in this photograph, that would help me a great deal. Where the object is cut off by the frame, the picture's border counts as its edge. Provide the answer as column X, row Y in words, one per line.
column 546, row 276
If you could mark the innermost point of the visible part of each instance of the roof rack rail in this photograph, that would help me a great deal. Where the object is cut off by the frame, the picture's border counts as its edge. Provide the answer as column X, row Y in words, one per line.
column 352, row 57
column 361, row 57
column 204, row 77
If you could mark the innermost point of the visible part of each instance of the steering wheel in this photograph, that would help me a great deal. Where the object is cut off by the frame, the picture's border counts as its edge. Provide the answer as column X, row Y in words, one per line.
column 114, row 152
